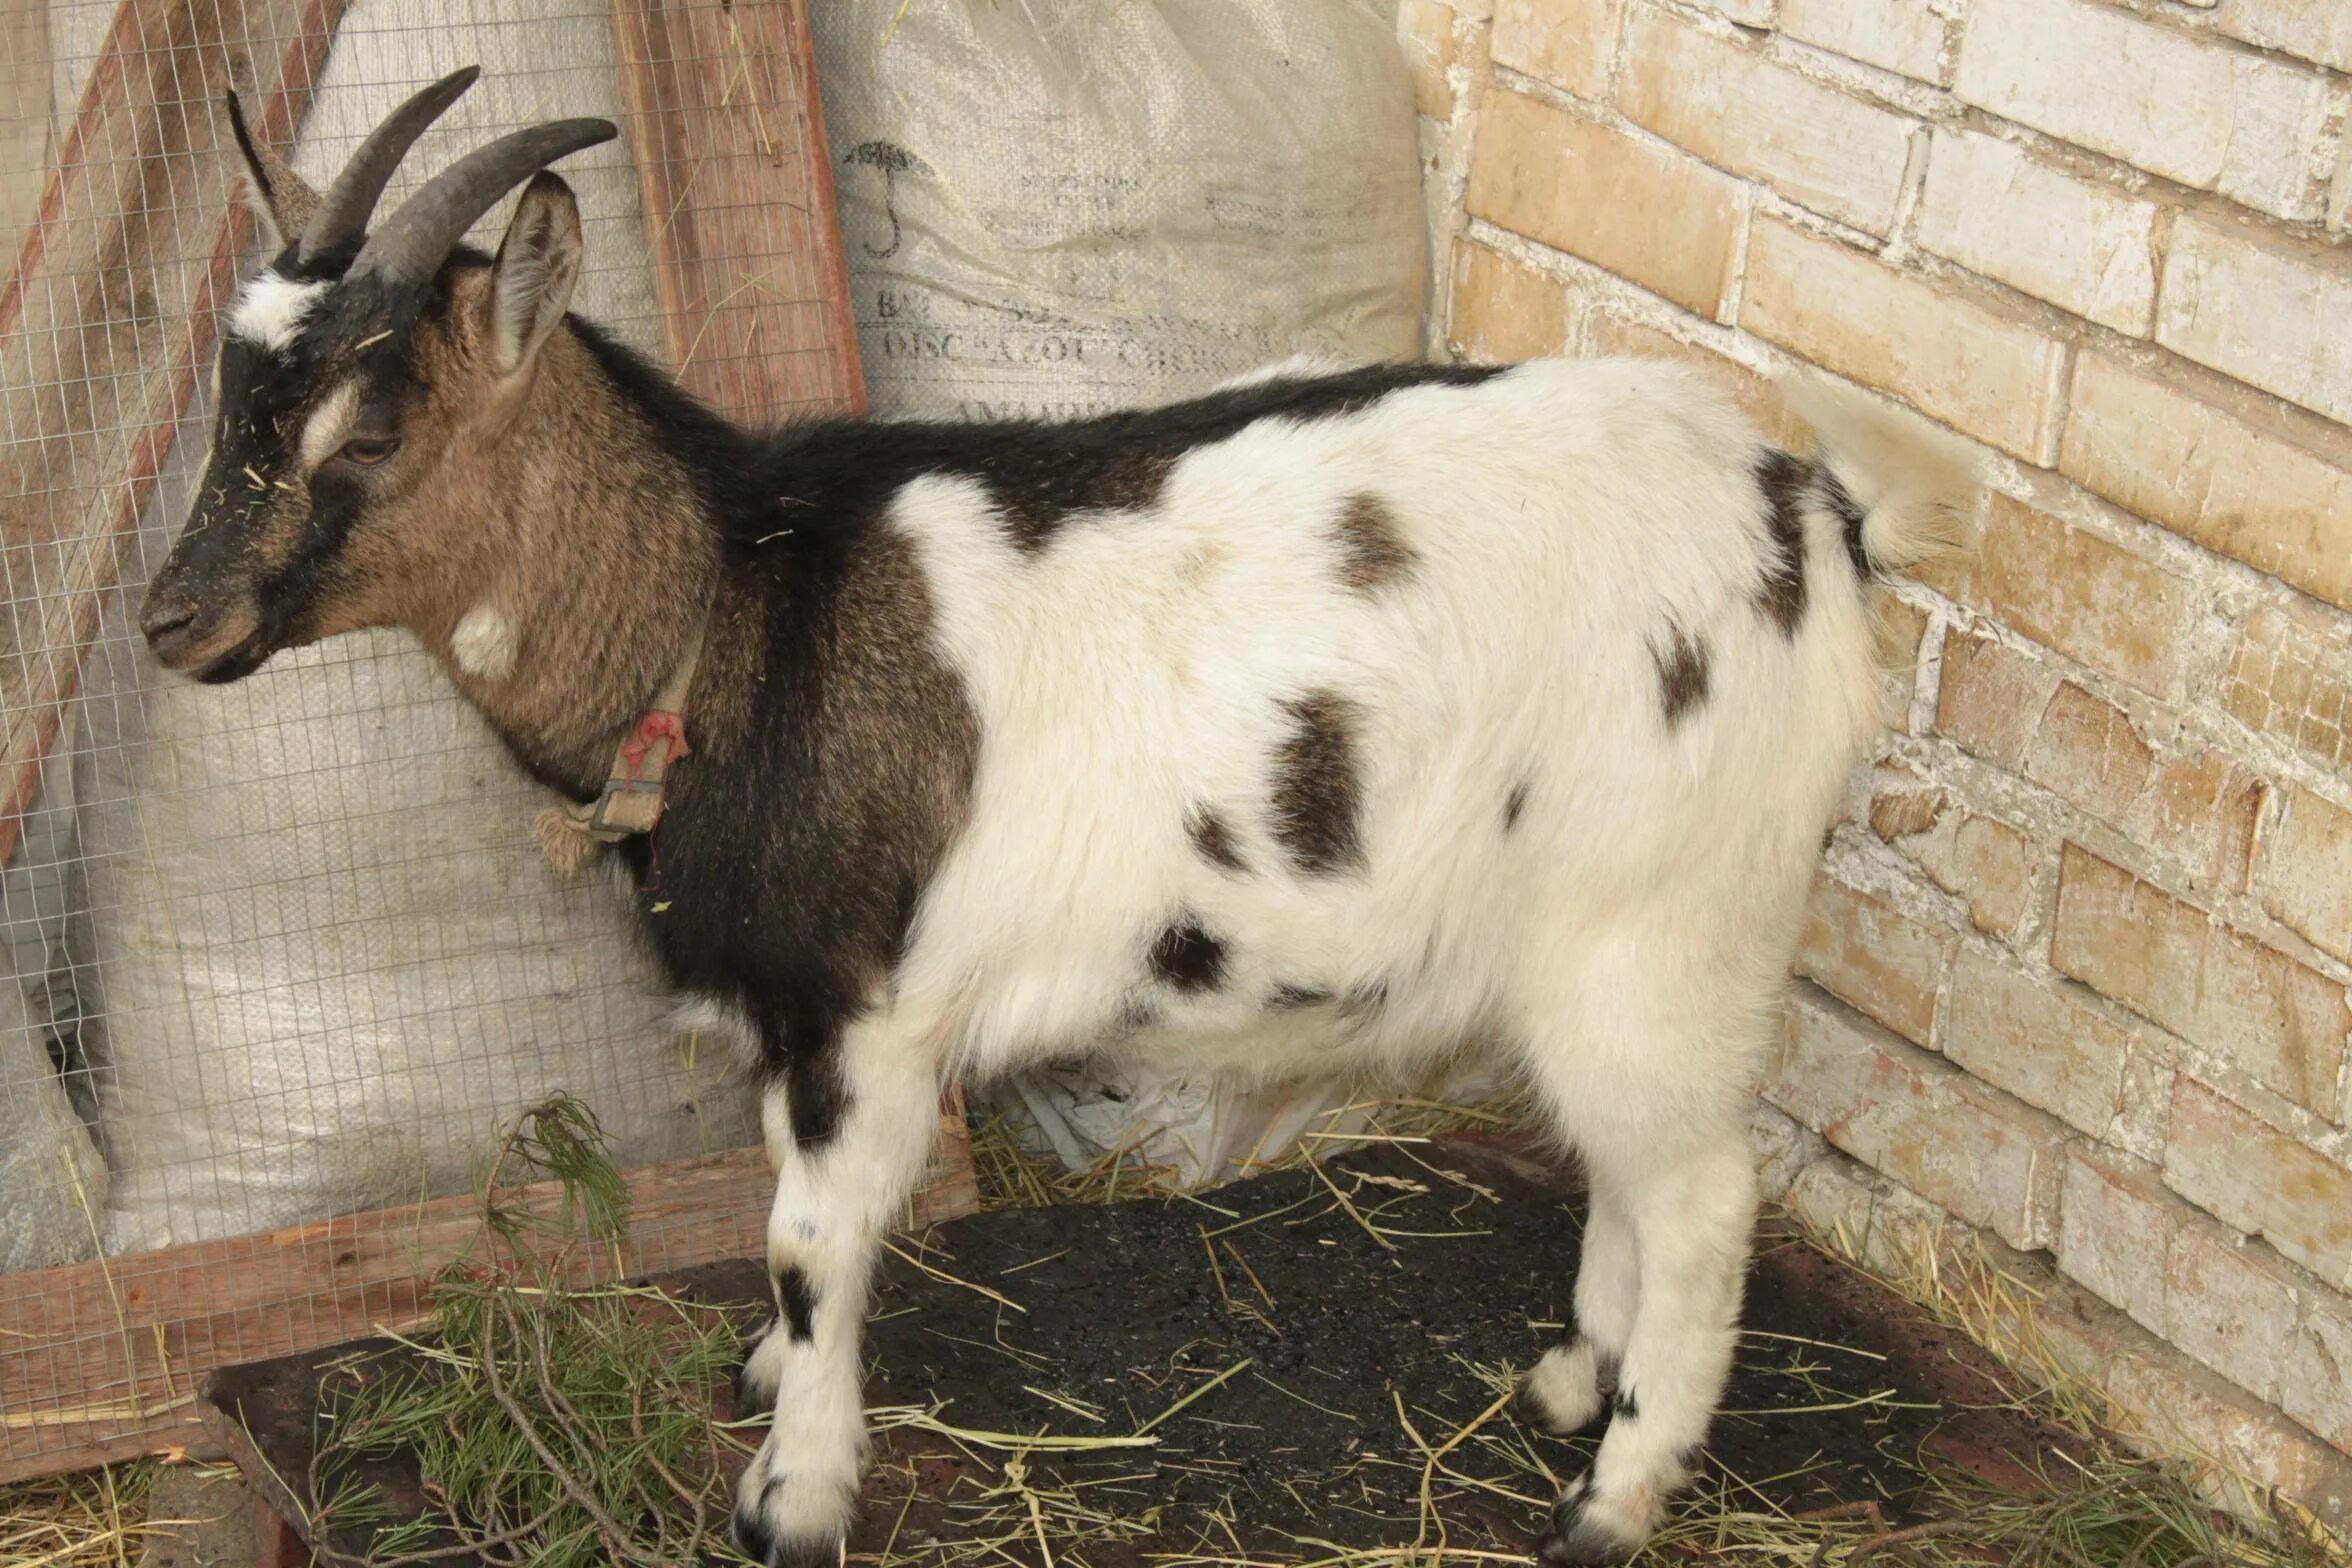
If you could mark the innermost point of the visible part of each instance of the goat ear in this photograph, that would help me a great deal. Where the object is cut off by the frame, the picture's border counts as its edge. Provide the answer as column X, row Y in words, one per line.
column 538, row 262
column 281, row 203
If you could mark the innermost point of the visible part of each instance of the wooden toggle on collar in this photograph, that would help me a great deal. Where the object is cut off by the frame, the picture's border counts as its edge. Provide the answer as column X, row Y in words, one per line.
column 635, row 787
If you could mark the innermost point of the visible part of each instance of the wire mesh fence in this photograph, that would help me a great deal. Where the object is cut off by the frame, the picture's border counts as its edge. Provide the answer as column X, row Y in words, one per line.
column 282, row 956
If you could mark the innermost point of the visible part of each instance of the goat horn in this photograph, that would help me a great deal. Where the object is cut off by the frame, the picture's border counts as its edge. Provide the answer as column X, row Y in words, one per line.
column 342, row 217
column 410, row 247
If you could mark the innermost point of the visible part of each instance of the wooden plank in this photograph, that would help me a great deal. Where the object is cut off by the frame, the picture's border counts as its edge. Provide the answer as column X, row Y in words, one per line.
column 127, row 1340
column 107, row 317
column 738, row 190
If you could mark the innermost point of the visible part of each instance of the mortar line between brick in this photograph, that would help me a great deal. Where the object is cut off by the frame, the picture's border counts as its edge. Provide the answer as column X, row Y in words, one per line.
column 2055, row 405
column 1735, row 286
column 1903, row 230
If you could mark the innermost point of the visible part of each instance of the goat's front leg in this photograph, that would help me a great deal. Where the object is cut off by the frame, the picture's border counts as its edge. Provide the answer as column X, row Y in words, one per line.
column 848, row 1130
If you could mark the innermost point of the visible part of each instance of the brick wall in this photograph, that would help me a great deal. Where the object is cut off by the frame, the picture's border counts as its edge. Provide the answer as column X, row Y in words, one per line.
column 2078, row 963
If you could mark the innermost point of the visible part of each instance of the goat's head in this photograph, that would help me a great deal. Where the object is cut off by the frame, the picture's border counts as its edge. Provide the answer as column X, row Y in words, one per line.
column 357, row 373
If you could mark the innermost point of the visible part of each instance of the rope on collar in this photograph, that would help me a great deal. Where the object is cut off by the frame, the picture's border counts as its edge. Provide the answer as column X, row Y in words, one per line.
column 636, row 785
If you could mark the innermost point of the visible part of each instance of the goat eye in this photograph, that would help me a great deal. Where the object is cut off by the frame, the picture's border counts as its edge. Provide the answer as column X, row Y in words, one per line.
column 368, row 451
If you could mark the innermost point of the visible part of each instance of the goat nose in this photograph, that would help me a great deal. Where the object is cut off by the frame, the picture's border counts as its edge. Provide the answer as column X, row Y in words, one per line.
column 164, row 614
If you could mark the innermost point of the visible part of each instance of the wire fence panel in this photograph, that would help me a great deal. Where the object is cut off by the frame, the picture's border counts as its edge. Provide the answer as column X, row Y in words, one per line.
column 281, row 956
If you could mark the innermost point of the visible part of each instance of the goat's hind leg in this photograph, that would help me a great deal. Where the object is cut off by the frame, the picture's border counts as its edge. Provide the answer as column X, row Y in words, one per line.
column 1693, row 1211
column 849, row 1137
column 1645, row 1067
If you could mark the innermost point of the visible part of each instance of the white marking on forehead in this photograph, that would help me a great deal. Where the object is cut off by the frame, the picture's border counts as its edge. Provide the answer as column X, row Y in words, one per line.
column 323, row 432
column 270, row 310
column 484, row 643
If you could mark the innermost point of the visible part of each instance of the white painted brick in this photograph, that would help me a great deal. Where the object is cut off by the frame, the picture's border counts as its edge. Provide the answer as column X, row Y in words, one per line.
column 1882, row 1223
column 1565, row 42
column 2171, row 962
column 1904, row 36
column 1874, row 958
column 2165, row 1404
column 2317, row 30
column 1951, row 358
column 2199, row 112
column 2115, row 1224
column 1995, row 210
column 2210, row 474
column 2272, row 314
column 1617, row 198
column 2231, row 1163
column 2162, row 1403
column 2019, row 1032
column 2316, row 1386
column 2304, row 871
column 2228, row 1306
column 1820, row 147
column 1989, row 1159
column 2279, row 160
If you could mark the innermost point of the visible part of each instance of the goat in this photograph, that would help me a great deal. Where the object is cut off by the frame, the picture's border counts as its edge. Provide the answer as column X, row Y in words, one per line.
column 1325, row 719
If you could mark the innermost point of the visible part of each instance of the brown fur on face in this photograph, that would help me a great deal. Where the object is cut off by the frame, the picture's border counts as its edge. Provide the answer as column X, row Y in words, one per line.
column 523, row 490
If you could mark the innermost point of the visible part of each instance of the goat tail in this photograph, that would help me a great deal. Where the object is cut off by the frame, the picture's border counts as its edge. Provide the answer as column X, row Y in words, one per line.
column 1916, row 487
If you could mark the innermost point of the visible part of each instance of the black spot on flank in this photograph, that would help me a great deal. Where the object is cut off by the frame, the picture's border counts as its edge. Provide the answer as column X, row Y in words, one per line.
column 1187, row 957
column 1783, row 479
column 1372, row 549
column 796, row 1302
column 1849, row 514
column 1513, row 804
column 1682, row 675
column 1316, row 788
column 1288, row 998
column 1213, row 840
column 1622, row 1405
column 1362, row 1001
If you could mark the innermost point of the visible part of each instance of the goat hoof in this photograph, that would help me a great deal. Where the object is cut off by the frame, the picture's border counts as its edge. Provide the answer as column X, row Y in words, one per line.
column 760, row 1540
column 1581, row 1537
column 797, row 1498
column 1565, row 1392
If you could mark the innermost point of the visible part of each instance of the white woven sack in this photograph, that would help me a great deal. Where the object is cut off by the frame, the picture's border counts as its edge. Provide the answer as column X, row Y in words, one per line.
column 1056, row 207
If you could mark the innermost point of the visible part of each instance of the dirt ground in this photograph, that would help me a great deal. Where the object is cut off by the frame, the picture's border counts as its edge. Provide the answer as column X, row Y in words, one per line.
column 1299, row 1346
column 1342, row 1337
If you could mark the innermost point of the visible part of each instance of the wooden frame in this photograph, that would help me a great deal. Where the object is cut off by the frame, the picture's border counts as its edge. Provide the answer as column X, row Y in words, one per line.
column 127, row 177
column 101, row 1360
column 745, row 78
column 173, row 1315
